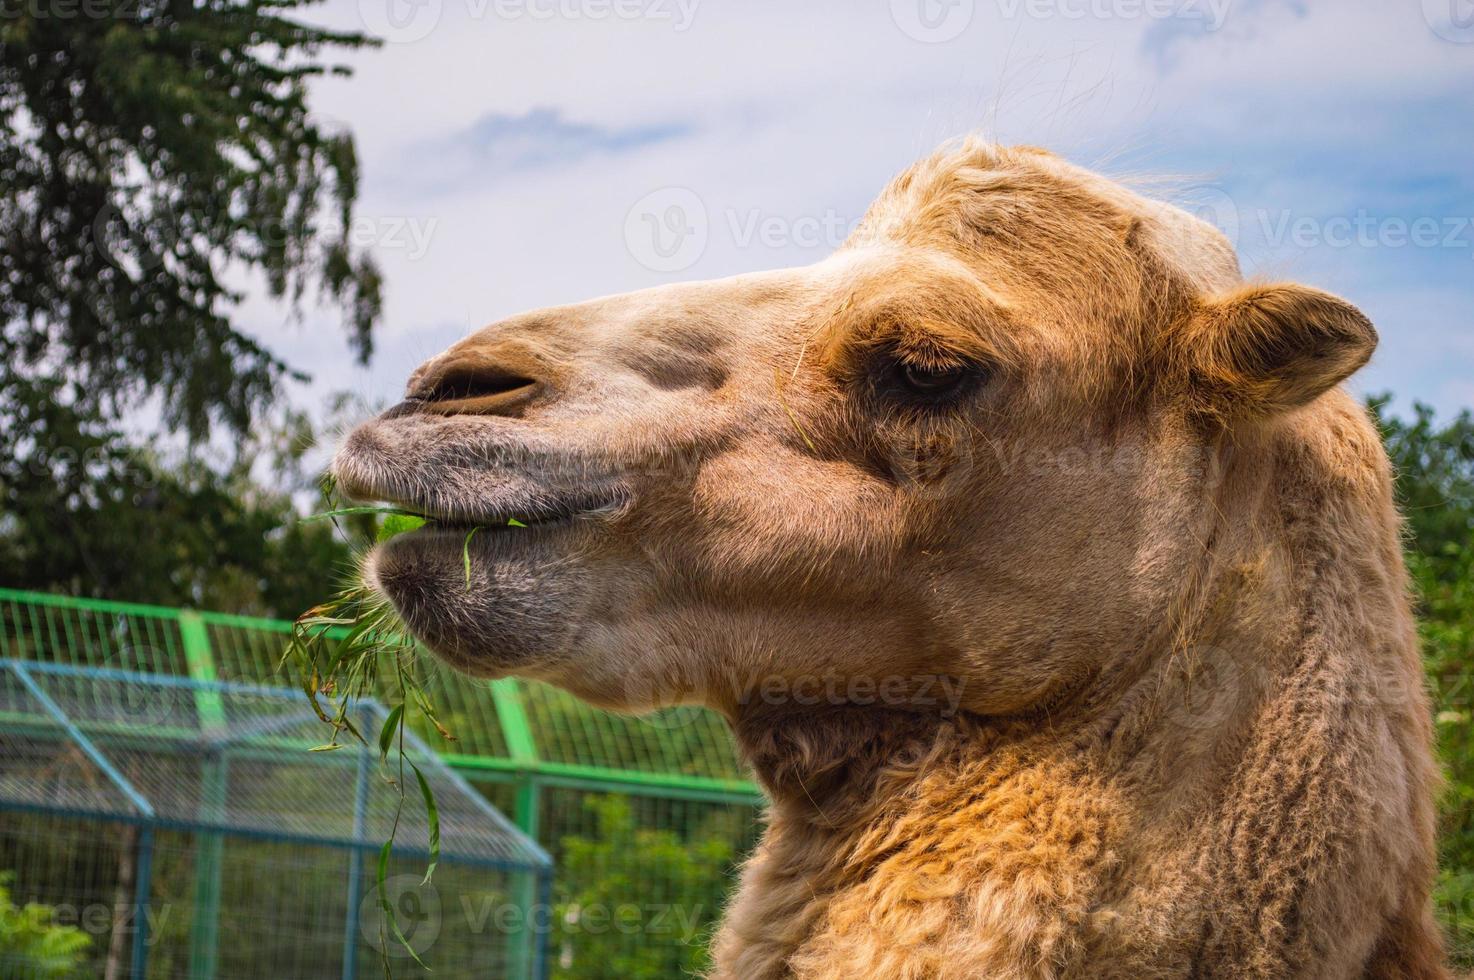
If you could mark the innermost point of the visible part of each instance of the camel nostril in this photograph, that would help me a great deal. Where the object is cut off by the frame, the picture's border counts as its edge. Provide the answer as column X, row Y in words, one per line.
column 463, row 383
column 472, row 387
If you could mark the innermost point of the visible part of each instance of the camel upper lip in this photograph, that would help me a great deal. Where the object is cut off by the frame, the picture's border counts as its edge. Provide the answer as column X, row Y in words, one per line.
column 532, row 507
column 475, row 482
column 539, row 511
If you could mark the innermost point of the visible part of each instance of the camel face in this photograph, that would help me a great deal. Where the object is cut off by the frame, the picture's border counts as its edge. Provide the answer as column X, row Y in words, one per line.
column 949, row 467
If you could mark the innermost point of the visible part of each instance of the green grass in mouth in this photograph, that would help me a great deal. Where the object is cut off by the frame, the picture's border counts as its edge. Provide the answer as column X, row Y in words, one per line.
column 334, row 668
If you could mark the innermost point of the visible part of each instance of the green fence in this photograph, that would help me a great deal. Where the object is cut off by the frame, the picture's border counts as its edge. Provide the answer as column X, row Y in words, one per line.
column 645, row 818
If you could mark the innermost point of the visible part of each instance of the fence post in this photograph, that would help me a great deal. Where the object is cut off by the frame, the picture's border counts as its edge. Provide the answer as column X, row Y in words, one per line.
column 523, row 954
column 204, row 932
column 143, row 883
column 353, row 920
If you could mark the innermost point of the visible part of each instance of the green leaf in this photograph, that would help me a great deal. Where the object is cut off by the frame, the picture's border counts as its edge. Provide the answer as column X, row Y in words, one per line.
column 329, row 747
column 310, row 621
column 466, row 556
column 396, row 524
column 348, row 511
column 381, row 879
column 432, row 814
column 513, row 522
column 391, row 724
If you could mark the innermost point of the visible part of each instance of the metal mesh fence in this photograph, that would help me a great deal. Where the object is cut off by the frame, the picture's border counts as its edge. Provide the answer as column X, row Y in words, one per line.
column 281, row 909
column 117, row 786
column 646, row 818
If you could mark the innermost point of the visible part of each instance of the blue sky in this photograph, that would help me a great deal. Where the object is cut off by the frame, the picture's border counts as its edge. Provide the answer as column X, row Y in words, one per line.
column 519, row 153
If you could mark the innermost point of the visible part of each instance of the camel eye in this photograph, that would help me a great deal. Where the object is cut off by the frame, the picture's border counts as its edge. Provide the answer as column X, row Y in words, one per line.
column 931, row 380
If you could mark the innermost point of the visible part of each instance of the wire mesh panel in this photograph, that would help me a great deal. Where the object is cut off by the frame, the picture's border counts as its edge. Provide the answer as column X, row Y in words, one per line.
column 284, row 909
column 77, row 632
column 198, row 812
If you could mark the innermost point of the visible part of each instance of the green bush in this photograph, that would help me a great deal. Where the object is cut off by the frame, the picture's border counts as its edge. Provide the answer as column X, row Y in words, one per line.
column 1435, row 487
column 636, row 904
column 32, row 946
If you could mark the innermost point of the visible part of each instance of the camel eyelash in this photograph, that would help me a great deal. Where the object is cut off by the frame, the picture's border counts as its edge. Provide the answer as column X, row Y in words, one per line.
column 924, row 382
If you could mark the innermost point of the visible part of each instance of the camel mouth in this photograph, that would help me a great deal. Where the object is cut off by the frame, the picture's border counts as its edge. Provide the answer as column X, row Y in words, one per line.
column 534, row 514
column 488, row 582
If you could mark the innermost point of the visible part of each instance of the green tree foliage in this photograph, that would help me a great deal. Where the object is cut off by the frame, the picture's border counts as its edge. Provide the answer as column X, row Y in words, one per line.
column 149, row 150
column 32, row 945
column 1435, row 487
column 637, row 903
column 146, row 146
column 94, row 515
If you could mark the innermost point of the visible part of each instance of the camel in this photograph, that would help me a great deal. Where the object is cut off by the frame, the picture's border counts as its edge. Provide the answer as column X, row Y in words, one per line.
column 1048, row 579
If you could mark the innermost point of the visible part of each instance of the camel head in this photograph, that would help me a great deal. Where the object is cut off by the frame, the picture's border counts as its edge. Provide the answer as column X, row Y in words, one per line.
column 964, row 463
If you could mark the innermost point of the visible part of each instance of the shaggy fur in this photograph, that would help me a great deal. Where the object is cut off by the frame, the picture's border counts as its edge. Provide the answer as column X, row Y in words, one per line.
column 1093, row 659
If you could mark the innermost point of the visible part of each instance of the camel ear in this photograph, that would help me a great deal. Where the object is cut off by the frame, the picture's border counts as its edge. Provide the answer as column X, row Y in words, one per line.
column 1264, row 349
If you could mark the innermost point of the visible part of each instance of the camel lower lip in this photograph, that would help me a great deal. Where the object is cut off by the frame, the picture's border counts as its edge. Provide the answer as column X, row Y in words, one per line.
column 485, row 600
